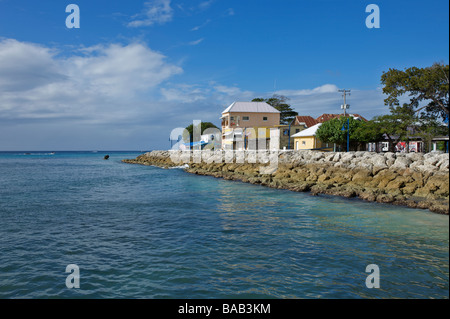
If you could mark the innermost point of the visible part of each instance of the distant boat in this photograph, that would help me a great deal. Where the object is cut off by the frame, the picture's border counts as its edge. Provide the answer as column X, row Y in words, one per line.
column 106, row 157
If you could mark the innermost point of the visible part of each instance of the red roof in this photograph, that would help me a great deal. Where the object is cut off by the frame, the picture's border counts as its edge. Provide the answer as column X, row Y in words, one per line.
column 308, row 120
column 326, row 117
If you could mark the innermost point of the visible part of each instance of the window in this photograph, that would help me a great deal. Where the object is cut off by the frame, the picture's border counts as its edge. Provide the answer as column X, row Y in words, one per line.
column 245, row 118
column 232, row 118
column 297, row 130
column 303, row 142
column 265, row 118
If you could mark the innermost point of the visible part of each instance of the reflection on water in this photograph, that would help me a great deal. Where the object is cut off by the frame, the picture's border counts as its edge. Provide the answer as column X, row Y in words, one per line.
column 331, row 235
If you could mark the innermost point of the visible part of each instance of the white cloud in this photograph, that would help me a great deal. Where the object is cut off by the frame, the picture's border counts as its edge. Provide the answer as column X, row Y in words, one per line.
column 230, row 12
column 205, row 4
column 212, row 93
column 327, row 99
column 196, row 28
column 119, row 70
column 155, row 12
column 228, row 90
column 326, row 88
column 23, row 65
column 196, row 42
column 185, row 93
column 106, row 83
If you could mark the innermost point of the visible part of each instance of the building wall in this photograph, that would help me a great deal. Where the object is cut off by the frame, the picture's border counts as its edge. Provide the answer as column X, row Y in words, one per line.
column 310, row 142
column 261, row 132
column 401, row 147
column 251, row 135
column 284, row 138
column 255, row 119
column 306, row 143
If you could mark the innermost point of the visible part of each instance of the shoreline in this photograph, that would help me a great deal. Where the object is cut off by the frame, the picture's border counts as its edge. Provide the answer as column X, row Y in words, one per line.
column 414, row 180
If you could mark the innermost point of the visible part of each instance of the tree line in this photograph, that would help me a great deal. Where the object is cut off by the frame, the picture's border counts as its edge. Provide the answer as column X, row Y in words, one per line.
column 425, row 116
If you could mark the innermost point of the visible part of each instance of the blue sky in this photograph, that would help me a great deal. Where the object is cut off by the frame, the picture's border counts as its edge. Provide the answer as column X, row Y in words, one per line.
column 135, row 70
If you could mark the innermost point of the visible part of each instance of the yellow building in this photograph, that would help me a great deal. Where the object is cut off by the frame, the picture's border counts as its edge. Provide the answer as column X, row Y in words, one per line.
column 307, row 140
column 246, row 122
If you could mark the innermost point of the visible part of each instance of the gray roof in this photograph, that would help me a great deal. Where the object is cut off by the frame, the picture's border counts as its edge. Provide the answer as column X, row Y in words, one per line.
column 256, row 107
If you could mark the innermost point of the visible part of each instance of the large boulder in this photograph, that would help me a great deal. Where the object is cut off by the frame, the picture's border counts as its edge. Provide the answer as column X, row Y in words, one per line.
column 401, row 163
column 337, row 157
column 362, row 177
column 347, row 157
column 431, row 159
column 415, row 156
column 390, row 158
column 443, row 162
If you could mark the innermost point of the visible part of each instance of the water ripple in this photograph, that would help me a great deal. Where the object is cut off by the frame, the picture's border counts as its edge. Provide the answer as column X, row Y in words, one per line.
column 143, row 232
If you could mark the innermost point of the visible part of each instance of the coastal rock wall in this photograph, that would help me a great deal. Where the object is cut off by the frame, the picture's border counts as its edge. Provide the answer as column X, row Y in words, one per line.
column 415, row 180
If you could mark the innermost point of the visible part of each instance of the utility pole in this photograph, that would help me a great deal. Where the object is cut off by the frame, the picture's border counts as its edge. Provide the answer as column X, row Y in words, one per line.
column 345, row 106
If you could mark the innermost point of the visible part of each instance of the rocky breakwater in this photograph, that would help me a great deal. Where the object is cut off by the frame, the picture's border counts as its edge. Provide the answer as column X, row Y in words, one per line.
column 415, row 180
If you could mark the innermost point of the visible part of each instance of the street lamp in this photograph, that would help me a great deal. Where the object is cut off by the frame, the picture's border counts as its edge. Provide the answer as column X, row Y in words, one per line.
column 346, row 126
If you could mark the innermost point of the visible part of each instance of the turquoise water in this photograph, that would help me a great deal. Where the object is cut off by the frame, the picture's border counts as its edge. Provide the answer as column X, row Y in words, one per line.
column 144, row 232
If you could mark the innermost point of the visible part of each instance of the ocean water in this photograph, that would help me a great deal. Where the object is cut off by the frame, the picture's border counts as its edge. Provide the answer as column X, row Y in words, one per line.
column 145, row 232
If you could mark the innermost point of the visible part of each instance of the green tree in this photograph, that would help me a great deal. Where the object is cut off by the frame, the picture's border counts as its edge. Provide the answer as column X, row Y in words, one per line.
column 332, row 132
column 397, row 126
column 279, row 102
column 204, row 126
column 369, row 132
column 428, row 128
column 428, row 85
